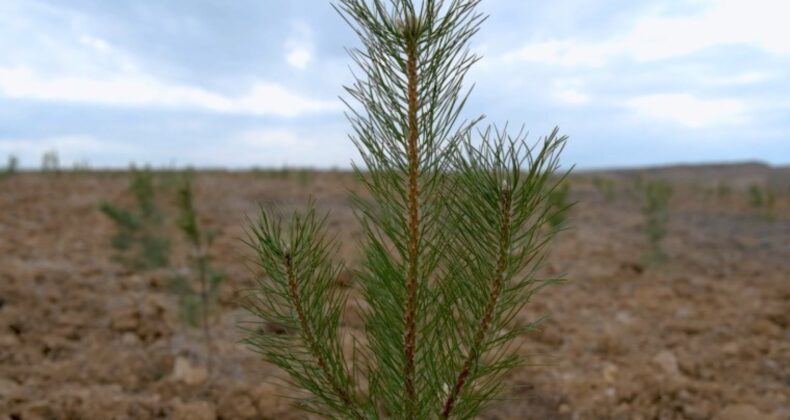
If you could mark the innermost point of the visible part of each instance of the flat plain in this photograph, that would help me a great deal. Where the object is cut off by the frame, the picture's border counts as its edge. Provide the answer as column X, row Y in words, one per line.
column 704, row 335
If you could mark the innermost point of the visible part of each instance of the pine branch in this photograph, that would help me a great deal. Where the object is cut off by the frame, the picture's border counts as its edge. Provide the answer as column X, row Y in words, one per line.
column 500, row 220
column 307, row 331
column 297, row 294
column 505, row 201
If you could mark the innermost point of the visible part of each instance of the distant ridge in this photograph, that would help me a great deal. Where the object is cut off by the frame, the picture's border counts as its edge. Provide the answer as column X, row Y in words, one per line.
column 737, row 173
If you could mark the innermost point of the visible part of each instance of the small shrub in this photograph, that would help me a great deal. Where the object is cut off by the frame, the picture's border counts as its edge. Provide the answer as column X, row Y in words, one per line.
column 139, row 239
column 656, row 216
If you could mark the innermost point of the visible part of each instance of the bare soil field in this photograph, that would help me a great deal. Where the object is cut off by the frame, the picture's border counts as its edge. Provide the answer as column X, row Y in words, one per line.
column 705, row 335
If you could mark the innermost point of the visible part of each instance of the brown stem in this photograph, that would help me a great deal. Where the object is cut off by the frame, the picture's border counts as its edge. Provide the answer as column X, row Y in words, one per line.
column 202, row 274
column 312, row 344
column 488, row 313
column 413, row 227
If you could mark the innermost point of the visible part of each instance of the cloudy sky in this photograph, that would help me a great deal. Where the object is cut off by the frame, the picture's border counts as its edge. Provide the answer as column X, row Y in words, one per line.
column 256, row 82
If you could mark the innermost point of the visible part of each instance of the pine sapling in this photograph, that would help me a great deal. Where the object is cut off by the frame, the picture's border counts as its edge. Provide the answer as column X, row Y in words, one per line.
column 139, row 241
column 12, row 166
column 655, row 211
column 50, row 162
column 605, row 187
column 456, row 221
column 762, row 200
column 196, row 302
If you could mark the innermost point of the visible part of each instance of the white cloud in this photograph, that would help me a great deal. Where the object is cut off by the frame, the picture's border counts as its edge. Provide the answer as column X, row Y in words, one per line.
column 299, row 45
column 323, row 146
column 759, row 24
column 560, row 53
column 266, row 139
column 299, row 57
column 568, row 91
column 688, row 110
column 97, row 44
column 572, row 97
column 84, row 68
column 747, row 78
column 139, row 90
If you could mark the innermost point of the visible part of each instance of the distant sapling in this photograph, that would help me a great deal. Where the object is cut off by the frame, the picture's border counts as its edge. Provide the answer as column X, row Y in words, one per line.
column 196, row 300
column 763, row 200
column 655, row 211
column 12, row 166
column 50, row 162
column 139, row 240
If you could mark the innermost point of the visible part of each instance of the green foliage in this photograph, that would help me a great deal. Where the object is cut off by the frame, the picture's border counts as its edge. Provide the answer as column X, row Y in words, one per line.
column 138, row 240
column 297, row 295
column 605, row 187
column 196, row 300
column 456, row 222
column 558, row 201
column 763, row 200
column 50, row 161
column 655, row 210
column 12, row 166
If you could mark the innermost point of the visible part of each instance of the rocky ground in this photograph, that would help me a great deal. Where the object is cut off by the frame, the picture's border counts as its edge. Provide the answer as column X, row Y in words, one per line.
column 704, row 335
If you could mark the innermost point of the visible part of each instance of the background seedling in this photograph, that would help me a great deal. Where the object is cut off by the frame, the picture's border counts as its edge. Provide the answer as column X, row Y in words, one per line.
column 763, row 200
column 655, row 211
column 50, row 162
column 196, row 300
column 139, row 239
column 11, row 167
column 605, row 187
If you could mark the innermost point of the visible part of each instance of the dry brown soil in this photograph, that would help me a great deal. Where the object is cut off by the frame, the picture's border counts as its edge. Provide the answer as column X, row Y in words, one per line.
column 705, row 335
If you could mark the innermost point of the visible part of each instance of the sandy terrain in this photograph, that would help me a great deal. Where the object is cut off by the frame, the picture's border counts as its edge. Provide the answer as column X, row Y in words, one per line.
column 705, row 335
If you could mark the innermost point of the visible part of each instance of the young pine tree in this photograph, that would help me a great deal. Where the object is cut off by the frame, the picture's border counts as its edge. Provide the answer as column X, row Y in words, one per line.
column 138, row 240
column 12, row 166
column 763, row 200
column 196, row 300
column 655, row 211
column 455, row 221
column 50, row 161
